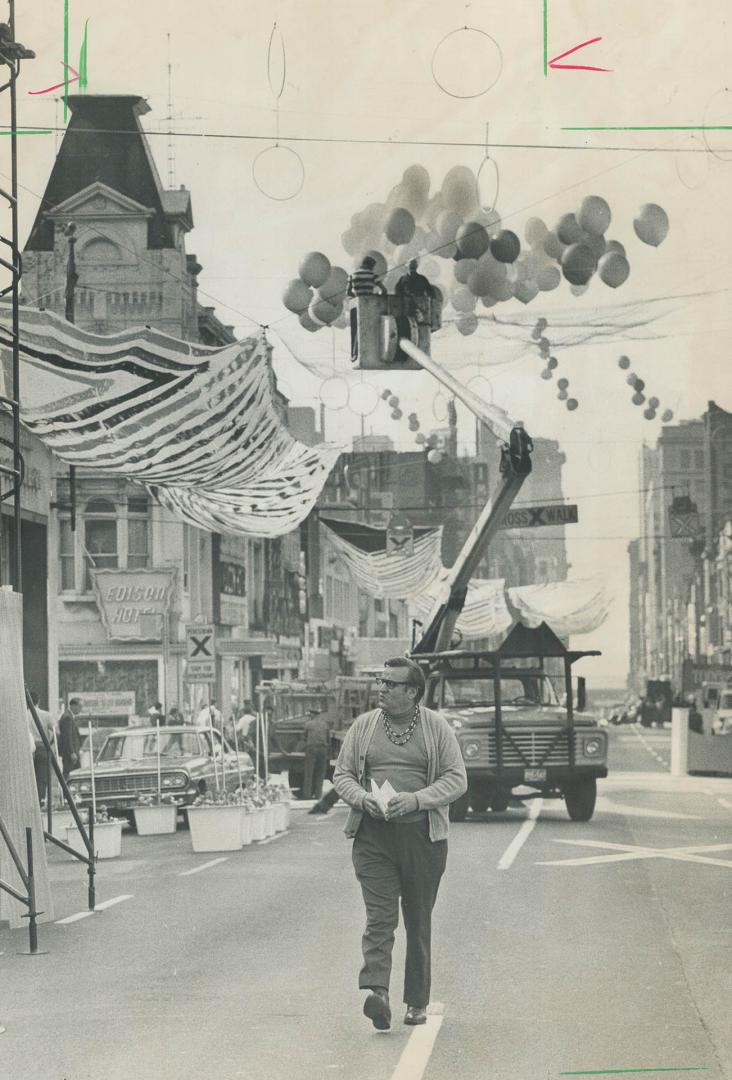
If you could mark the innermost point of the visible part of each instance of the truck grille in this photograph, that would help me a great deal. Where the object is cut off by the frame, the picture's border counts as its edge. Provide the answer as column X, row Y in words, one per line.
column 524, row 748
column 122, row 785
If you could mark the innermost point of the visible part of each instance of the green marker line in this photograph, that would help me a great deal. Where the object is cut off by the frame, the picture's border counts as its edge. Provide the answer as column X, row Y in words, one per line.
column 83, row 81
column 546, row 38
column 609, row 1072
column 66, row 58
column 30, row 131
column 665, row 127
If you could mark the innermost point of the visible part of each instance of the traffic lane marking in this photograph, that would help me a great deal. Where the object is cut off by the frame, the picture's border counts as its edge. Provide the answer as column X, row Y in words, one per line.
column 625, row 852
column 99, row 907
column 416, row 1054
column 607, row 806
column 521, row 836
column 203, row 866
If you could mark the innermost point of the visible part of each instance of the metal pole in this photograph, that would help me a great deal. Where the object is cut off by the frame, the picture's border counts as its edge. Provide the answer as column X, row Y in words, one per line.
column 570, row 709
column 497, row 713
column 17, row 561
column 32, row 913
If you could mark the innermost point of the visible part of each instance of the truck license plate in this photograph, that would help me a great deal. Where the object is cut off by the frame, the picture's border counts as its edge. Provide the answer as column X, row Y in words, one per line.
column 534, row 774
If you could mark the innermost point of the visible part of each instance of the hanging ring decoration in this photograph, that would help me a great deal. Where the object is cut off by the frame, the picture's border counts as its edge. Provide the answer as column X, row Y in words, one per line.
column 334, row 393
column 298, row 183
column 488, row 160
column 704, row 156
column 725, row 157
column 363, row 399
column 276, row 59
column 487, row 39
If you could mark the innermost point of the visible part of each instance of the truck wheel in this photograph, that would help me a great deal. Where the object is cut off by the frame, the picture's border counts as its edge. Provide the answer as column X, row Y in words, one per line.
column 478, row 801
column 459, row 809
column 500, row 801
column 580, row 798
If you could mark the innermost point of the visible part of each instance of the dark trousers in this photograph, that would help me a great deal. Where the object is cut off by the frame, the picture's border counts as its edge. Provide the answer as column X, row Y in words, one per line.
column 40, row 767
column 316, row 762
column 393, row 861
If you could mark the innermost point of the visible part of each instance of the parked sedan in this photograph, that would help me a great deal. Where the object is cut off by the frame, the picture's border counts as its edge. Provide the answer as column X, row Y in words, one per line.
column 190, row 764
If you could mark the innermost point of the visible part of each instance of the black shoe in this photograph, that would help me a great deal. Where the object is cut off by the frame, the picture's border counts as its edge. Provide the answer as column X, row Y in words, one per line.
column 376, row 1007
column 415, row 1015
column 318, row 809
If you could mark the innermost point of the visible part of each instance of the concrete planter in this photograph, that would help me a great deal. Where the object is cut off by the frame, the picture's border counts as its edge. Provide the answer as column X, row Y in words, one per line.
column 215, row 828
column 156, row 820
column 269, row 820
column 280, row 816
column 61, row 820
column 246, row 817
column 258, row 823
column 107, row 839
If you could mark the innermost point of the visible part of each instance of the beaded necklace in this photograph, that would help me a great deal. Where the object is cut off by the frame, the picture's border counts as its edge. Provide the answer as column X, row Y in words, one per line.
column 400, row 738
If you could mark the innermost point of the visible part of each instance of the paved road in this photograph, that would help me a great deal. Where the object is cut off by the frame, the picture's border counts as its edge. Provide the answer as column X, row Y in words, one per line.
column 559, row 948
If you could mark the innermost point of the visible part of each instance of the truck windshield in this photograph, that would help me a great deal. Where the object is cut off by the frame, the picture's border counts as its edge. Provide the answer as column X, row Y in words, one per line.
column 462, row 693
column 725, row 702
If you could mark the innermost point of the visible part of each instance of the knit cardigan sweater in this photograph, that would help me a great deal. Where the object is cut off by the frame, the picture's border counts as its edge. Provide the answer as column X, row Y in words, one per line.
column 446, row 776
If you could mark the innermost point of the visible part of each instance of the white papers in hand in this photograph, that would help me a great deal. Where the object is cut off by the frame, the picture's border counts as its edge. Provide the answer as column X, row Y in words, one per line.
column 382, row 794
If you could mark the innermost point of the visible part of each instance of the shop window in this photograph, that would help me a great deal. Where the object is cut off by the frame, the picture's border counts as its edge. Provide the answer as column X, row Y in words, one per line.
column 100, row 538
column 109, row 535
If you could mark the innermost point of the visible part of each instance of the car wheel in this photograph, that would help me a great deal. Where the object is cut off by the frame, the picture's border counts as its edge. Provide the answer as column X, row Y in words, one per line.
column 459, row 809
column 580, row 796
column 500, row 801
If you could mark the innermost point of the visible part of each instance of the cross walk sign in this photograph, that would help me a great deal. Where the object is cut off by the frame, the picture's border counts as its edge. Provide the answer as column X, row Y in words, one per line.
column 200, row 653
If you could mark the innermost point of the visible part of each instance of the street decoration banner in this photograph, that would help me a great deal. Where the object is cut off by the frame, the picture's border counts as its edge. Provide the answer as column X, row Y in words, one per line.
column 198, row 425
column 569, row 607
column 374, row 569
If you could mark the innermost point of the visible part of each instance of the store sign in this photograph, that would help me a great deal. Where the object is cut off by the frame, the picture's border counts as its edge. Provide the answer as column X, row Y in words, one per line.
column 233, row 579
column 107, row 703
column 124, row 597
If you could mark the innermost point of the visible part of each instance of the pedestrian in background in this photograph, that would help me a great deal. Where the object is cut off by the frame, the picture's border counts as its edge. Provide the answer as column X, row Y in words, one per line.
column 401, row 852
column 316, row 735
column 69, row 736
column 40, row 753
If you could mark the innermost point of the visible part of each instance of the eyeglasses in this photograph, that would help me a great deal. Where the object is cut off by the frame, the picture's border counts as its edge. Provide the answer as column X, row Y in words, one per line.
column 389, row 684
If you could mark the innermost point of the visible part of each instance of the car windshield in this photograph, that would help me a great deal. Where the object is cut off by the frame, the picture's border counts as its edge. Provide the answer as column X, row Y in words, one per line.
column 462, row 693
column 136, row 746
column 726, row 700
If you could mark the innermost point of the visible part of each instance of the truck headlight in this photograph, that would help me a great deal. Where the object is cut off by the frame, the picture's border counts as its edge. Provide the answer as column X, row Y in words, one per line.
column 455, row 723
column 471, row 750
column 592, row 747
column 85, row 787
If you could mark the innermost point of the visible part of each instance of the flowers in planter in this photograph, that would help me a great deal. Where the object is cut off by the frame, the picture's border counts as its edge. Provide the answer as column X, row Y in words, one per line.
column 153, row 800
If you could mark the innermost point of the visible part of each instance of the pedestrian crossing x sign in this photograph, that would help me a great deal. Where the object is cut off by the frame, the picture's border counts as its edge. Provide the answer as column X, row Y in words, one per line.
column 200, row 653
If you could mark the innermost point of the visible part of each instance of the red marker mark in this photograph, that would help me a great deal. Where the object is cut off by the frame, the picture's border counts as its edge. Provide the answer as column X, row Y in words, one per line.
column 575, row 67
column 58, row 86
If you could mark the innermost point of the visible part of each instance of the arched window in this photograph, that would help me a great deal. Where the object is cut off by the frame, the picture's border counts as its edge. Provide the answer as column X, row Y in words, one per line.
column 100, row 251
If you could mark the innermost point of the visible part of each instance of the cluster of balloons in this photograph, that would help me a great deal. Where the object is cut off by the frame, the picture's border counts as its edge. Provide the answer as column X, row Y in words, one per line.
column 318, row 293
column 639, row 398
column 544, row 346
column 465, row 252
column 434, row 454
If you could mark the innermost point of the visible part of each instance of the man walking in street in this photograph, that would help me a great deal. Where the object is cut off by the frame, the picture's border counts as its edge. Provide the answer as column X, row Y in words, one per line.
column 402, row 851
column 317, row 744
column 69, row 736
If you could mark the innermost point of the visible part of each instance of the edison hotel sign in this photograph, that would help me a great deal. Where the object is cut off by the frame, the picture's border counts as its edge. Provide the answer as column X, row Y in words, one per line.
column 133, row 603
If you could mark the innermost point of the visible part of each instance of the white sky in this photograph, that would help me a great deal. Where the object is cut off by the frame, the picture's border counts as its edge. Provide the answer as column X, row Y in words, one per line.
column 363, row 71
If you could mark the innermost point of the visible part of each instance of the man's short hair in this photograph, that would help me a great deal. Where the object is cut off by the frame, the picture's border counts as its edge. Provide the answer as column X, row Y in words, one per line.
column 74, row 701
column 414, row 671
column 413, row 263
column 368, row 263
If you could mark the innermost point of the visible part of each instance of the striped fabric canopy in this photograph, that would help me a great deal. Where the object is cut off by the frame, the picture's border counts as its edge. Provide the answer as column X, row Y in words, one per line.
column 198, row 425
column 393, row 577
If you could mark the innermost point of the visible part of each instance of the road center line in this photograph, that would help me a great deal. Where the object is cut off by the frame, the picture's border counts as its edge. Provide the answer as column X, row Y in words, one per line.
column 74, row 918
column 521, row 836
column 416, row 1053
column 115, row 900
column 203, row 866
